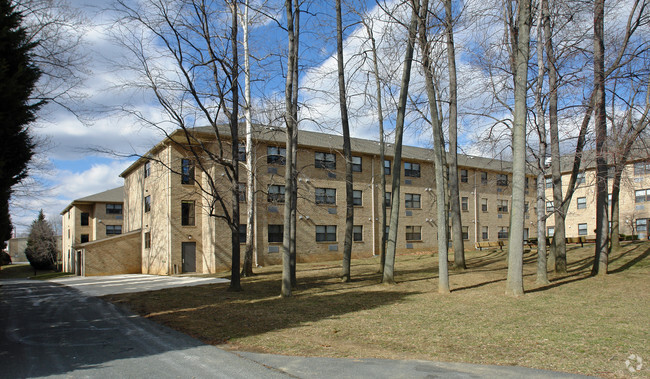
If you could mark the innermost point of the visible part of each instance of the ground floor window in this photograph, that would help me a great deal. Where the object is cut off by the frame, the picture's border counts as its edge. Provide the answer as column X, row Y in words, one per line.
column 357, row 233
column 550, row 231
column 466, row 233
column 275, row 233
column 242, row 233
column 642, row 225
column 325, row 233
column 413, row 233
column 503, row 233
column 484, row 233
column 147, row 240
column 582, row 229
column 85, row 238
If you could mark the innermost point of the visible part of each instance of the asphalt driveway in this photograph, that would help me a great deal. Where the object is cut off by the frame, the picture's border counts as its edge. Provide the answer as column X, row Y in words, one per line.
column 52, row 330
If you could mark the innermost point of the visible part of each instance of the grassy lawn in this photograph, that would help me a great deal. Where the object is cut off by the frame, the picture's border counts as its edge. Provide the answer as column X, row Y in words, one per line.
column 578, row 323
column 25, row 271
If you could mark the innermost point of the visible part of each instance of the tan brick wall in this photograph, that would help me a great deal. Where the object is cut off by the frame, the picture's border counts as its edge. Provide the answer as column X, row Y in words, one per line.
column 212, row 234
column 629, row 210
column 115, row 255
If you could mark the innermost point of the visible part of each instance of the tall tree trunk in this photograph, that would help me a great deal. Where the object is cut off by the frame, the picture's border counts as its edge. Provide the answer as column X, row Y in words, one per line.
column 382, row 151
column 438, row 152
column 247, row 269
column 542, row 269
column 294, row 162
column 514, row 284
column 454, row 199
column 288, row 176
column 347, row 150
column 389, row 266
column 558, row 245
column 235, row 284
column 602, row 224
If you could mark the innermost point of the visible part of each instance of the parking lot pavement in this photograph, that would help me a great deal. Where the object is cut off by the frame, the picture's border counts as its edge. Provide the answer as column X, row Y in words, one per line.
column 115, row 284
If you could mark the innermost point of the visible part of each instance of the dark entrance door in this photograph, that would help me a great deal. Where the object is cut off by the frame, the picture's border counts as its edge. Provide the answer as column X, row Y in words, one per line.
column 189, row 256
column 78, row 263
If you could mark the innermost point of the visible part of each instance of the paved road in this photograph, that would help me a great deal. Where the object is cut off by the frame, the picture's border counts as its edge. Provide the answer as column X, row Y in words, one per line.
column 56, row 331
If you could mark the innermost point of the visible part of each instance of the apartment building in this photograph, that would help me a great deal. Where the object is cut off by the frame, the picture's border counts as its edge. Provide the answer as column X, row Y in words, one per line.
column 166, row 202
column 634, row 198
column 87, row 219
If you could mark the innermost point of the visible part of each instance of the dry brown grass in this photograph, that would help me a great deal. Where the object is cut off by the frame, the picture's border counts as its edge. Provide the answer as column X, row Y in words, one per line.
column 578, row 323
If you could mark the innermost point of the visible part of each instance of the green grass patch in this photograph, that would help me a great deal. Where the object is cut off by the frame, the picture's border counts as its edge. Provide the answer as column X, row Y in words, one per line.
column 578, row 323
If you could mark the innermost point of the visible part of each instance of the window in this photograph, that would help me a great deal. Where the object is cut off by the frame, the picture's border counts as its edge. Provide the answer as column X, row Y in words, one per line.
column 84, row 218
column 464, row 176
column 276, row 155
column 503, row 233
column 242, row 233
column 550, row 231
column 387, row 199
column 113, row 229
column 386, row 233
column 113, row 209
column 275, row 233
column 325, row 233
column 580, row 179
column 242, row 192
column 187, row 213
column 484, row 205
column 464, row 204
column 485, row 233
column 147, row 240
column 549, row 207
column 147, row 203
column 85, row 238
column 276, row 193
column 413, row 233
column 325, row 160
column 582, row 202
column 241, row 152
column 526, row 183
column 386, row 167
column 502, row 180
column 357, row 233
column 609, row 199
column 356, row 164
column 582, row 229
column 356, row 197
column 548, row 182
column 412, row 169
column 412, row 200
column 642, row 168
column 325, row 195
column 641, row 196
column 187, row 171
column 465, row 233
column 147, row 169
column 526, row 207
column 484, row 177
column 641, row 225
column 502, row 206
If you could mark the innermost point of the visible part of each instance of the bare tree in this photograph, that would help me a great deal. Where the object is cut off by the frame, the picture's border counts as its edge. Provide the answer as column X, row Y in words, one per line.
column 291, row 143
column 389, row 267
column 454, row 199
column 514, row 284
column 202, row 87
column 347, row 150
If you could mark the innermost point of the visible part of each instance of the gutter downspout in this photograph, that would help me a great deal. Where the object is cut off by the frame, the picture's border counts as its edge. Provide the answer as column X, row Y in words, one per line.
column 372, row 192
column 475, row 208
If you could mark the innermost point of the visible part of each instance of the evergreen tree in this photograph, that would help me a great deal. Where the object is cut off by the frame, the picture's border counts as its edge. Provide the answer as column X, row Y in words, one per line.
column 18, row 76
column 41, row 244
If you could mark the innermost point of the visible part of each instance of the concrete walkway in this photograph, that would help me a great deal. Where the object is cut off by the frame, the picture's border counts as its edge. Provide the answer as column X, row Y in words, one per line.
column 116, row 284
